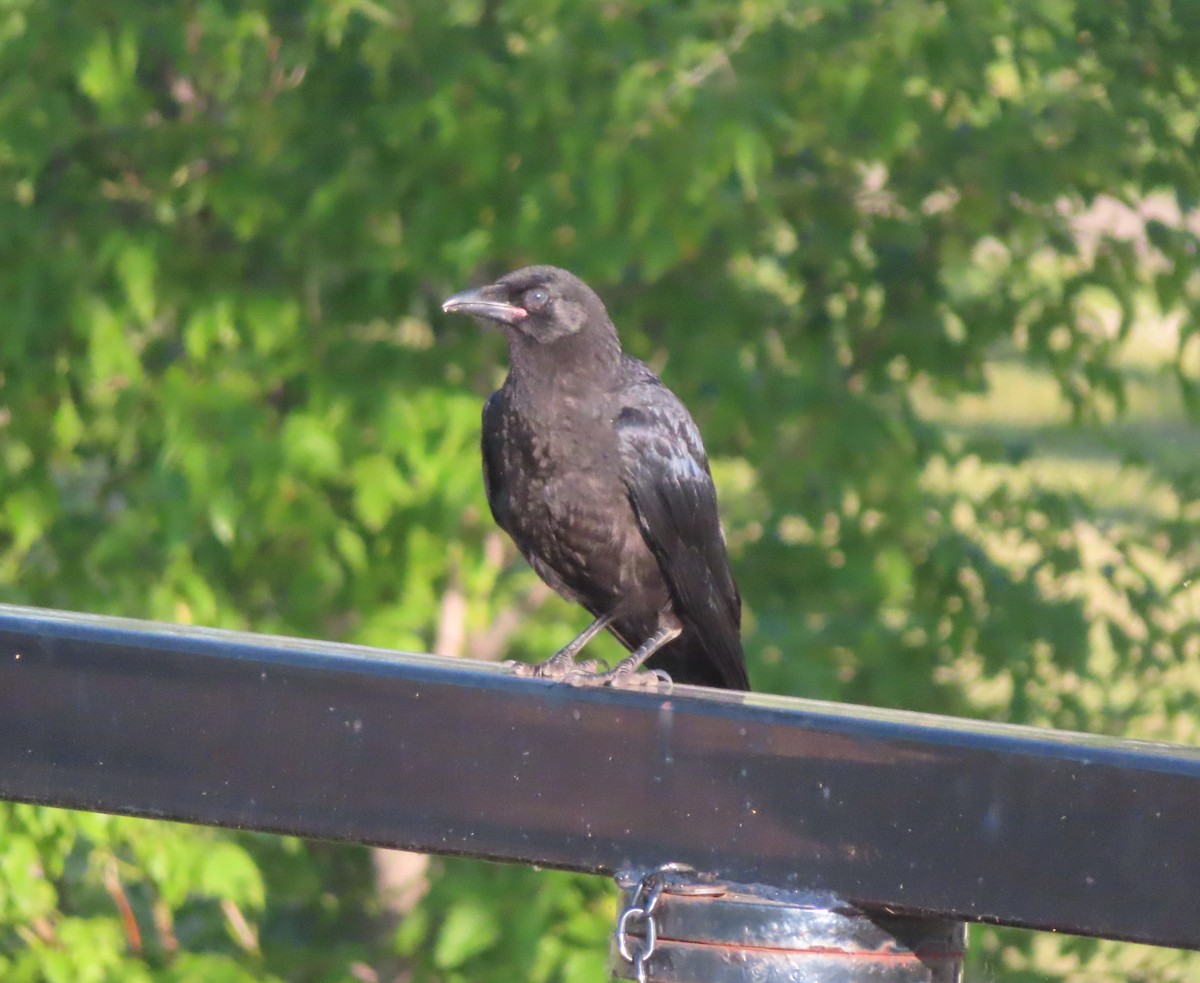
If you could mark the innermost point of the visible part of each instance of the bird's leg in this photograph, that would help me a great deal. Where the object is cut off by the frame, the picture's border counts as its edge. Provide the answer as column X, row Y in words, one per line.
column 623, row 673
column 562, row 663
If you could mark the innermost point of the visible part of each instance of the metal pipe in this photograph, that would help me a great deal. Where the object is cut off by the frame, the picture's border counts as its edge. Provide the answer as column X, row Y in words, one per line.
column 921, row 815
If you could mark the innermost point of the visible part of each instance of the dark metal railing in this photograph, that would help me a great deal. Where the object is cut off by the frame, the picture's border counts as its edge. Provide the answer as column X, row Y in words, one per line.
column 916, row 814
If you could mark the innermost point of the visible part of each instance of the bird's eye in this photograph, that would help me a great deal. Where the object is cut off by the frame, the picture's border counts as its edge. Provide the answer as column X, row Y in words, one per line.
column 536, row 299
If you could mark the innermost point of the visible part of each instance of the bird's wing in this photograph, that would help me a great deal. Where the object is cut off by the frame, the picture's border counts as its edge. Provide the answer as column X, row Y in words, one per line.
column 671, row 489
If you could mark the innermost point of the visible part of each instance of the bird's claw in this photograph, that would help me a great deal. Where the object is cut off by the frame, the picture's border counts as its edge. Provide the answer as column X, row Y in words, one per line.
column 592, row 673
column 651, row 679
column 558, row 671
column 662, row 679
column 622, row 678
column 583, row 679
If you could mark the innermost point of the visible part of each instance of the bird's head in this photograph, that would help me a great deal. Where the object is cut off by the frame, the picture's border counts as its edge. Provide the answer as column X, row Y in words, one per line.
column 538, row 304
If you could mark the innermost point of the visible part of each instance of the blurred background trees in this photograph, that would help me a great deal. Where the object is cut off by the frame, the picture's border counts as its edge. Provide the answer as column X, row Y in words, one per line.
column 924, row 271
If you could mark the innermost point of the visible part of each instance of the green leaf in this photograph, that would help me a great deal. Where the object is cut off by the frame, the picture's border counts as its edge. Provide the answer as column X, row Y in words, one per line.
column 311, row 445
column 108, row 66
column 468, row 931
column 136, row 267
column 228, row 871
column 68, row 426
column 25, row 893
column 378, row 489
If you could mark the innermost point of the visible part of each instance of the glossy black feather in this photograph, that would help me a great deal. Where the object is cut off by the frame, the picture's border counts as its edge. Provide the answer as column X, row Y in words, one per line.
column 671, row 490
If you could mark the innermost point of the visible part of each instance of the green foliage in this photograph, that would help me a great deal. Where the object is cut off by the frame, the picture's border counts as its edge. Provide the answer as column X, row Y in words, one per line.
column 227, row 398
column 482, row 923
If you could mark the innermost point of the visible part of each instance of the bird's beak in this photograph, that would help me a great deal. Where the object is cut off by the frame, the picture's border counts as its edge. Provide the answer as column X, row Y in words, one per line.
column 483, row 303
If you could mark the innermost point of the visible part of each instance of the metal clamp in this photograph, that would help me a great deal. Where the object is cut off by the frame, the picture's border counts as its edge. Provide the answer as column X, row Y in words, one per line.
column 637, row 927
column 699, row 930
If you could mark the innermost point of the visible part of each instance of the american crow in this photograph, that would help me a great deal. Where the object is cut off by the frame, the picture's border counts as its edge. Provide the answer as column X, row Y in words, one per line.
column 597, row 472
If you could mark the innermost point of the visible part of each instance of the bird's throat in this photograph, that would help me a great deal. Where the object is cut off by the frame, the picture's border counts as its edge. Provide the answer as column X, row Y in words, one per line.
column 567, row 364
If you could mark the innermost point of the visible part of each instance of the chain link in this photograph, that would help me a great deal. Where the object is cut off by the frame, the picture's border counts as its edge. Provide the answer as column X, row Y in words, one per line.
column 639, row 914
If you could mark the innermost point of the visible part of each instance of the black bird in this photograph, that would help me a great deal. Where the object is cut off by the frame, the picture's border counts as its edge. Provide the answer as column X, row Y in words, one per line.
column 597, row 472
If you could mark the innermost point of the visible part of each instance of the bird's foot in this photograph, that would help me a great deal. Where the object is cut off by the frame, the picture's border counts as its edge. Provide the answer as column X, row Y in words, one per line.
column 623, row 677
column 562, row 664
column 556, row 669
column 562, row 667
column 592, row 673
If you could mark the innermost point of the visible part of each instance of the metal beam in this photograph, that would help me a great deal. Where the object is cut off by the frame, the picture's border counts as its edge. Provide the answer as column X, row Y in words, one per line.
column 919, row 814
